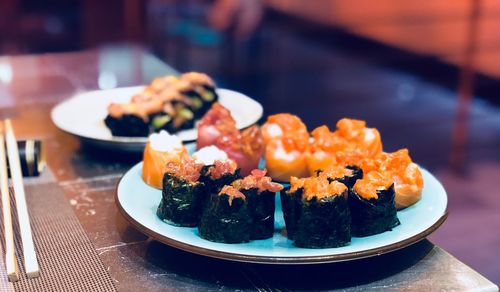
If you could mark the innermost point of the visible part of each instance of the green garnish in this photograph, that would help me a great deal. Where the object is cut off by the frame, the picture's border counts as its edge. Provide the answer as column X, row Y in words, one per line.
column 160, row 121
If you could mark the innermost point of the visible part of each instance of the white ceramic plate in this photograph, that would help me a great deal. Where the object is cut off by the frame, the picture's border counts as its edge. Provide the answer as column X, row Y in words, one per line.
column 83, row 116
column 138, row 203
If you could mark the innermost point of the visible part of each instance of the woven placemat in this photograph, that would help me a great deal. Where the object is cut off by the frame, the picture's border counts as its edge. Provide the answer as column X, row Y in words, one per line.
column 67, row 258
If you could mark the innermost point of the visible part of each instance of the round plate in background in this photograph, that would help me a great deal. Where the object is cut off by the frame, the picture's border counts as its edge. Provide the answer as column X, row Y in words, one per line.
column 83, row 116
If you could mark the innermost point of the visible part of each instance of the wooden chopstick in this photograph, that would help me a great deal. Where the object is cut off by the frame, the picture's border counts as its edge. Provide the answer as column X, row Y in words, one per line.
column 30, row 260
column 10, row 250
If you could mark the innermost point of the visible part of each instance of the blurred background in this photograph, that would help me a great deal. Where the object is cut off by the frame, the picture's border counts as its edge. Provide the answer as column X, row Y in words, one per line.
column 426, row 73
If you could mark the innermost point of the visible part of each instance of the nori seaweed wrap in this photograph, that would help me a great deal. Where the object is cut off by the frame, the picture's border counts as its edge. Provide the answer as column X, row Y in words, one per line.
column 373, row 209
column 127, row 125
column 182, row 193
column 291, row 202
column 226, row 218
column 317, row 213
column 261, row 206
column 260, row 193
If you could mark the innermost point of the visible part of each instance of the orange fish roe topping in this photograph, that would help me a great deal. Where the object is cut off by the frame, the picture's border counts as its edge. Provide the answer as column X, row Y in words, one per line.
column 336, row 171
column 288, row 128
column 326, row 140
column 371, row 183
column 221, row 167
column 296, row 183
column 232, row 193
column 320, row 187
column 187, row 168
column 257, row 180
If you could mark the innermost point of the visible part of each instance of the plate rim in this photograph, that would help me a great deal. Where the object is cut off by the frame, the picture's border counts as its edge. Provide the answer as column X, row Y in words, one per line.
column 295, row 260
column 124, row 141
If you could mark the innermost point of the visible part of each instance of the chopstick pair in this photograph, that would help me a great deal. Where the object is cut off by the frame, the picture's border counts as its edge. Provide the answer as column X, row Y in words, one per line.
column 30, row 260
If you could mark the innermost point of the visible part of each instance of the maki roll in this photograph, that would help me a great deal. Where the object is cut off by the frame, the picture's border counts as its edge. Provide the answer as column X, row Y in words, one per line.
column 182, row 195
column 226, row 218
column 218, row 169
column 260, row 193
column 347, row 175
column 127, row 120
column 241, row 211
column 320, row 215
column 202, row 88
column 372, row 205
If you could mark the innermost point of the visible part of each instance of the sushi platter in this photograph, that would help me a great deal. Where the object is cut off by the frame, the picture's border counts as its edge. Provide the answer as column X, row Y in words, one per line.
column 138, row 203
column 84, row 115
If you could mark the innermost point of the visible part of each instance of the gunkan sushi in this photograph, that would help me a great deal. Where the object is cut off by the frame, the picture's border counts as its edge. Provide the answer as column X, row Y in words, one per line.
column 317, row 213
column 373, row 209
column 241, row 211
column 226, row 218
column 260, row 192
column 218, row 170
column 182, row 194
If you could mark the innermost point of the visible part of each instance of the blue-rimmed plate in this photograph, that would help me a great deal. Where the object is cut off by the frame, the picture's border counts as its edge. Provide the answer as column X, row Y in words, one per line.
column 138, row 202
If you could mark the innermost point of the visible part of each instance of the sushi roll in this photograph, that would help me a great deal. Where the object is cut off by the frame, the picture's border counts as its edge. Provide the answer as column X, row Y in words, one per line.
column 291, row 202
column 202, row 87
column 127, row 120
column 160, row 149
column 372, row 205
column 226, row 218
column 320, row 215
column 260, row 194
column 347, row 175
column 218, row 169
column 241, row 211
column 182, row 194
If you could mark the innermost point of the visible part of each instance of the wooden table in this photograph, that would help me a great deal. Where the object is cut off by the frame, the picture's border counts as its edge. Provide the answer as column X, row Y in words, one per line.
column 88, row 176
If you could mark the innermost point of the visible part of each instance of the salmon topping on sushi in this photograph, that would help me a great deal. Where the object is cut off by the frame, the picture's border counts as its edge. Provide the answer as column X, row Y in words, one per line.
column 198, row 78
column 215, row 123
column 232, row 193
column 257, row 180
column 186, row 168
column 336, row 171
column 371, row 183
column 320, row 187
column 287, row 146
column 222, row 167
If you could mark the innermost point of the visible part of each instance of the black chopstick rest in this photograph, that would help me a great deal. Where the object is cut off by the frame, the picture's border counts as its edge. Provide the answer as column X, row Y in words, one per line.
column 32, row 157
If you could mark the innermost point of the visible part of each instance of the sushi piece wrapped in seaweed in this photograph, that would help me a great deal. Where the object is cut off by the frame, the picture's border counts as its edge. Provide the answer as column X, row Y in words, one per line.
column 218, row 169
column 347, row 175
column 202, row 88
column 182, row 194
column 291, row 202
column 241, row 211
column 321, row 217
column 226, row 218
column 260, row 193
column 128, row 120
column 372, row 205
